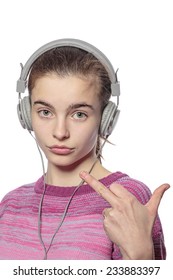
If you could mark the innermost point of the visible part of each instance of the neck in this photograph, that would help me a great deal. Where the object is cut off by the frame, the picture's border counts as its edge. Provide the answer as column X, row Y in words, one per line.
column 69, row 175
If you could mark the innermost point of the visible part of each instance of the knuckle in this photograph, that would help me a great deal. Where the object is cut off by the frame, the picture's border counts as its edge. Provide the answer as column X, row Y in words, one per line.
column 130, row 199
column 112, row 187
column 111, row 214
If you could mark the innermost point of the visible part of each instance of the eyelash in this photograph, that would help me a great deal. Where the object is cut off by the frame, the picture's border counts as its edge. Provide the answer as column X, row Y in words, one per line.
column 41, row 114
column 84, row 115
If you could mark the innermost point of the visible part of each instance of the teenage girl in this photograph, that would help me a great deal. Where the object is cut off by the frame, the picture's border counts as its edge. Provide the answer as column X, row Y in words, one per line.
column 78, row 209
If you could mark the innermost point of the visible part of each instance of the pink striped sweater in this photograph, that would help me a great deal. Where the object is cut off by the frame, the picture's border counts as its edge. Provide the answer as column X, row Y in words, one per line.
column 81, row 235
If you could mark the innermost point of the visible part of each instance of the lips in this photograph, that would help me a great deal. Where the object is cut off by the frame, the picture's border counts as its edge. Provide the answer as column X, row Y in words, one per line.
column 61, row 150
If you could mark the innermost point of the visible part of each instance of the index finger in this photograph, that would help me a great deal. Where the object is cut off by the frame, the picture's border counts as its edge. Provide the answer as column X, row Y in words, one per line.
column 99, row 188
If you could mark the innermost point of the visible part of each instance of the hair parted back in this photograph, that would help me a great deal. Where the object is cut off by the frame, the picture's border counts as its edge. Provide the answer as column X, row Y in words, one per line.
column 65, row 61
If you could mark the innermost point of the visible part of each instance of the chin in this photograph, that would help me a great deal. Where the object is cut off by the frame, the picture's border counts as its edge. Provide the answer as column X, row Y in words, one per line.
column 68, row 162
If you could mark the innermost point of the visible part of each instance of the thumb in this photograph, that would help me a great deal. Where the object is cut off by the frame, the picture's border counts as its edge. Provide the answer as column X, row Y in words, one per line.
column 155, row 199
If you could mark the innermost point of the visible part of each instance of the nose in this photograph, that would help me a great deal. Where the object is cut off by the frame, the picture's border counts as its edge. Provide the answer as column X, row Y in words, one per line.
column 61, row 130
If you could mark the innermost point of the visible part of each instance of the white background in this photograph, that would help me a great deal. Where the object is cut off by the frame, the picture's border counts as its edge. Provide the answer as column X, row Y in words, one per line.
column 137, row 38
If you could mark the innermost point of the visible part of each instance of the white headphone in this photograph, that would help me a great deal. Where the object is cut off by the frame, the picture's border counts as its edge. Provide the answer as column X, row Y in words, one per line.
column 110, row 113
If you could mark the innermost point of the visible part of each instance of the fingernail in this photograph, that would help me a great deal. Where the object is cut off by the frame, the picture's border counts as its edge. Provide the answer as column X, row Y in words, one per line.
column 83, row 174
column 167, row 186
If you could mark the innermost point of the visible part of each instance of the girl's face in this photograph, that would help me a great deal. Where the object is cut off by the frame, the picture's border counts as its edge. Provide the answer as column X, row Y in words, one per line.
column 66, row 116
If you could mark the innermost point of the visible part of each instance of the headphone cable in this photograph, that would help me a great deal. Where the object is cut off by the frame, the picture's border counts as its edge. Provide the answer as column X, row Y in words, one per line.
column 46, row 250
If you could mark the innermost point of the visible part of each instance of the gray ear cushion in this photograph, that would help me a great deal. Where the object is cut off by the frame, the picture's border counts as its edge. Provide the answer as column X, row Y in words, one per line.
column 24, row 113
column 109, row 119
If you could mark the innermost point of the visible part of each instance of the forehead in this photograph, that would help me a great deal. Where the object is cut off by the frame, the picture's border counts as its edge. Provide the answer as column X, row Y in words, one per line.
column 71, row 87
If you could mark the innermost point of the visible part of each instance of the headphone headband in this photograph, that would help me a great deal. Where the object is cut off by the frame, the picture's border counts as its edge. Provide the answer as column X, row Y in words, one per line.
column 22, row 82
column 110, row 113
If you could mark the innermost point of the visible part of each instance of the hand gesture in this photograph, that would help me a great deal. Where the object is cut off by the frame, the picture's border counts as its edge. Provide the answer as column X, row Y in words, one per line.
column 128, row 223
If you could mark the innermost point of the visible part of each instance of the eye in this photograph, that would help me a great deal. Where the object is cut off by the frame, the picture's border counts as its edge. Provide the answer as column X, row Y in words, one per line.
column 79, row 115
column 45, row 113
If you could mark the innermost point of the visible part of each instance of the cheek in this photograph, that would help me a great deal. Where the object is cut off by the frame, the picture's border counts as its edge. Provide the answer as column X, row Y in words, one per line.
column 39, row 126
column 89, row 136
column 39, row 131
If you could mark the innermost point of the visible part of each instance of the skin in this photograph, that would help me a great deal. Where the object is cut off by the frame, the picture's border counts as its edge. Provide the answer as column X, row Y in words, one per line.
column 127, row 222
column 67, row 123
column 58, row 118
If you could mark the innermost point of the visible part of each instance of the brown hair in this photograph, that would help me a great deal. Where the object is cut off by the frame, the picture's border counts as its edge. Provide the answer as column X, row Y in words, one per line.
column 66, row 61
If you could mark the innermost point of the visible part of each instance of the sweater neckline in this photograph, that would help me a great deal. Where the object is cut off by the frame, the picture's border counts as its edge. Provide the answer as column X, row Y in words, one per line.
column 68, row 190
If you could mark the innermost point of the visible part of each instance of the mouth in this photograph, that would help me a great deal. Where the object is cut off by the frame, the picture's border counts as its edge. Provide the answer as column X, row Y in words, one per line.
column 60, row 150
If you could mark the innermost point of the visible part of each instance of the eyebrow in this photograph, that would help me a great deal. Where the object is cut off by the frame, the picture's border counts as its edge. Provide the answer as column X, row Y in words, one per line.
column 79, row 105
column 43, row 103
column 72, row 106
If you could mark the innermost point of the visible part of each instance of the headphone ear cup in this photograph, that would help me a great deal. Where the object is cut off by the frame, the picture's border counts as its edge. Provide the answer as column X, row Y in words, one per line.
column 24, row 113
column 109, row 118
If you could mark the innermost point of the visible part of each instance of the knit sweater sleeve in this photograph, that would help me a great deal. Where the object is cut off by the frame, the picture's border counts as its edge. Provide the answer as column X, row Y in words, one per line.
column 143, row 194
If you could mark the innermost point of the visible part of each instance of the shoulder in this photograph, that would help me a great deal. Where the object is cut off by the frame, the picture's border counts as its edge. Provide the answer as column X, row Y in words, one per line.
column 18, row 195
column 134, row 186
column 19, row 190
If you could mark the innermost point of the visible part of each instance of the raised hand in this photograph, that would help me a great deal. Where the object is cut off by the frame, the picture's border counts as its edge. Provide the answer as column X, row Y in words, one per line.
column 128, row 223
